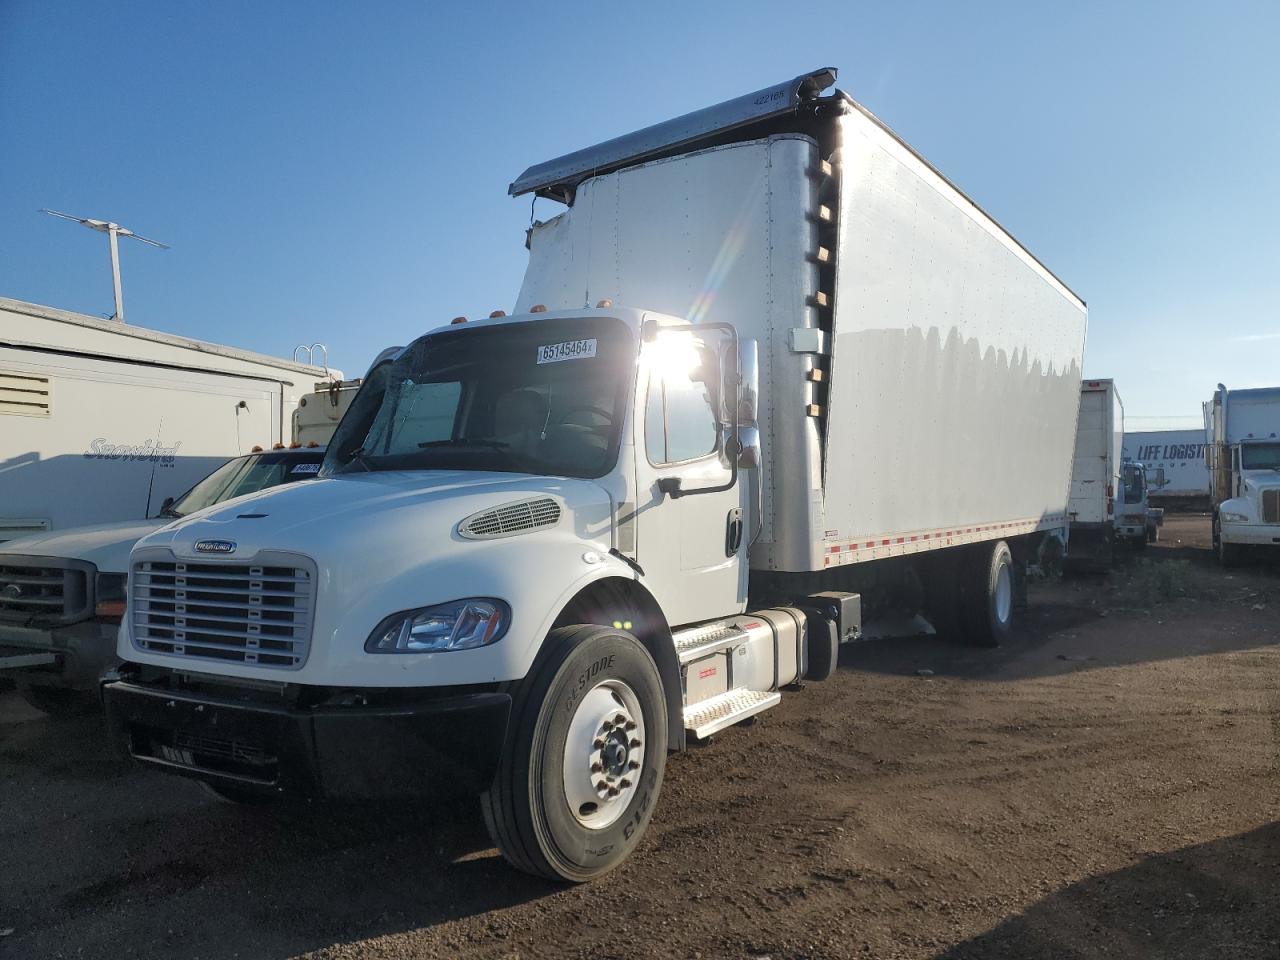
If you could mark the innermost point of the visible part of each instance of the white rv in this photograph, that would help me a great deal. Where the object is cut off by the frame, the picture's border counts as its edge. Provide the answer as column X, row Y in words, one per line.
column 101, row 421
column 769, row 372
column 1242, row 429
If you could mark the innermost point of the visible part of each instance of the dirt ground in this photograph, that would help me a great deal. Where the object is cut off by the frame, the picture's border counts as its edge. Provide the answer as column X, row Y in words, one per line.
column 1108, row 785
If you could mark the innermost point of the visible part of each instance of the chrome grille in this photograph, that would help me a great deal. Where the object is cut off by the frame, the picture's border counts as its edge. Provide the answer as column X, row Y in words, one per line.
column 511, row 518
column 34, row 592
column 256, row 614
column 1271, row 506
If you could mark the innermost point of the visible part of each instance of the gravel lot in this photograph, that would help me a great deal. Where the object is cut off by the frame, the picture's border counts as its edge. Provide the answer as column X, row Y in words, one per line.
column 1107, row 785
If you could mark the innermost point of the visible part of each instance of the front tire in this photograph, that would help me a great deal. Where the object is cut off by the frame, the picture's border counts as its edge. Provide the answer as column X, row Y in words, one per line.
column 585, row 751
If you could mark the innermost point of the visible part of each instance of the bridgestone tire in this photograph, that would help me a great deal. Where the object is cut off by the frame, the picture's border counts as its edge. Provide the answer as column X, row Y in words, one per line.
column 986, row 595
column 526, row 808
column 59, row 702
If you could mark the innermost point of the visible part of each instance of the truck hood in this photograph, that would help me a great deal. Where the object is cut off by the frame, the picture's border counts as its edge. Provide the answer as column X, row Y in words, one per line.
column 1258, row 480
column 105, row 545
column 334, row 513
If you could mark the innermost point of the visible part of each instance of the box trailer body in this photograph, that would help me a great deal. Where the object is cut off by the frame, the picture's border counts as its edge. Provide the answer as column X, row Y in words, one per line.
column 768, row 368
column 946, row 399
column 318, row 413
column 130, row 415
column 1177, row 465
column 1242, row 430
column 1096, row 472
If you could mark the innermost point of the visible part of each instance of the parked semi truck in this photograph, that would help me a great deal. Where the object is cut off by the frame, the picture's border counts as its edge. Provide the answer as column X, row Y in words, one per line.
column 129, row 414
column 62, row 593
column 1096, row 475
column 769, row 373
column 1242, row 430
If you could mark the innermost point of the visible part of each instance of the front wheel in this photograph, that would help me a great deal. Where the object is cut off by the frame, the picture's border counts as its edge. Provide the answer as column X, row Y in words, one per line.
column 582, row 765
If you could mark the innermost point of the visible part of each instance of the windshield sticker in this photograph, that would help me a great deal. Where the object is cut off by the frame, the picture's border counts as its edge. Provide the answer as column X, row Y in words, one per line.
column 569, row 350
column 305, row 468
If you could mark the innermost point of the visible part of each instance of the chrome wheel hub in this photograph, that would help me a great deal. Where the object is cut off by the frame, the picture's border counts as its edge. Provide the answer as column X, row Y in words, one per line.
column 603, row 754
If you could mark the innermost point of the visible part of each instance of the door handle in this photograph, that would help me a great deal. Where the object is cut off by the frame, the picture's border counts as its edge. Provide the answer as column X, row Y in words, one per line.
column 733, row 532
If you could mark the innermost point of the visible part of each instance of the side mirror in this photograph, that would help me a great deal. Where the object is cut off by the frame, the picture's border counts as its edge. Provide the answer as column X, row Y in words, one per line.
column 748, row 400
column 164, row 507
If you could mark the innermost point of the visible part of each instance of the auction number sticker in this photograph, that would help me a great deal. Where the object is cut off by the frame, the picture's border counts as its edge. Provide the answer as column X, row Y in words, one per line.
column 569, row 350
column 305, row 468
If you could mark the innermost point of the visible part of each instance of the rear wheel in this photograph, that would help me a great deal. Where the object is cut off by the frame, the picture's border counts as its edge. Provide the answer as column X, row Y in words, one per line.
column 59, row 701
column 986, row 588
column 583, row 762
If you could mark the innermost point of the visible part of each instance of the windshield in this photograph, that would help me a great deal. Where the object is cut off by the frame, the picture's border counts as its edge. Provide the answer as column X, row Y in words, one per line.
column 244, row 475
column 1260, row 456
column 545, row 397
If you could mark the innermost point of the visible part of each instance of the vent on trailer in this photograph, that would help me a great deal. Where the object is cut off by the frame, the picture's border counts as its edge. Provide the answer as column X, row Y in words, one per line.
column 25, row 395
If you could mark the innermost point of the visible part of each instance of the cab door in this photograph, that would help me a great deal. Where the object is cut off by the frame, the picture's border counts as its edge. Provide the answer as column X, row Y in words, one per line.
column 690, row 544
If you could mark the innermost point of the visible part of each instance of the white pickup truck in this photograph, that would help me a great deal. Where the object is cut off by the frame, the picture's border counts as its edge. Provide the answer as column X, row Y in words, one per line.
column 62, row 594
column 769, row 372
column 1242, row 428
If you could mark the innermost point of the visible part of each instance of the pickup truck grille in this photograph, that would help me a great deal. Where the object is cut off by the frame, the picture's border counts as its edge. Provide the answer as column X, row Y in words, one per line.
column 36, row 592
column 238, row 613
column 1271, row 506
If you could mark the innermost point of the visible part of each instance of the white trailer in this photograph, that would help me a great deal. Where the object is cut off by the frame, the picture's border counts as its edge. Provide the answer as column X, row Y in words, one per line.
column 1242, row 429
column 1176, row 464
column 101, row 421
column 767, row 370
column 1096, row 474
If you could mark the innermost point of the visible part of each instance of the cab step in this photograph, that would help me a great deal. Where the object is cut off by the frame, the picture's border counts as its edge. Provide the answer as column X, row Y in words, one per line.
column 695, row 643
column 706, row 717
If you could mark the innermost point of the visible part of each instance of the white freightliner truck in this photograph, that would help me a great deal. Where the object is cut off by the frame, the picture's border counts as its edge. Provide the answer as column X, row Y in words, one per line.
column 768, row 372
column 1242, row 430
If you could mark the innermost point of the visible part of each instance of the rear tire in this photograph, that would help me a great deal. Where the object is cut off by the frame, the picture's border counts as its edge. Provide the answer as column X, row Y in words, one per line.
column 987, row 595
column 59, row 702
column 591, row 712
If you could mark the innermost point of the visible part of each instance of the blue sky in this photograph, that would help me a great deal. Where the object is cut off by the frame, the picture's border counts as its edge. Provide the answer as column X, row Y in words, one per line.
column 338, row 172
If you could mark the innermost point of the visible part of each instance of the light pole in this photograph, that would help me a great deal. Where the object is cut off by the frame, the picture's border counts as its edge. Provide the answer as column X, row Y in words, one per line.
column 113, row 232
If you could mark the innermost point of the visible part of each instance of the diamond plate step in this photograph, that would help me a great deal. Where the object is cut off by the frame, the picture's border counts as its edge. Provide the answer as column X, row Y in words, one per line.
column 698, row 642
column 706, row 717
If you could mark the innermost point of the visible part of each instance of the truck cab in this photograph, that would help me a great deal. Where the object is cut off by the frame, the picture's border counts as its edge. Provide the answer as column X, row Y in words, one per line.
column 1136, row 521
column 1243, row 430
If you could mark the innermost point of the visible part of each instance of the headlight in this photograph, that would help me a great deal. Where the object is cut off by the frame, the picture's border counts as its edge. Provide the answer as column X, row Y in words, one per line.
column 1234, row 517
column 460, row 625
column 109, row 595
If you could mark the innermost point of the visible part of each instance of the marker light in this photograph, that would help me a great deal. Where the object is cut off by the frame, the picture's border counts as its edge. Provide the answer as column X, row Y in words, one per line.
column 497, row 313
column 457, row 320
column 277, row 446
column 538, row 308
column 256, row 449
column 606, row 302
column 458, row 625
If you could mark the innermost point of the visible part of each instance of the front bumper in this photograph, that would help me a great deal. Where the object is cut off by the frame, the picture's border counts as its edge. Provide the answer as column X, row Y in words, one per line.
column 1260, row 534
column 78, row 654
column 399, row 749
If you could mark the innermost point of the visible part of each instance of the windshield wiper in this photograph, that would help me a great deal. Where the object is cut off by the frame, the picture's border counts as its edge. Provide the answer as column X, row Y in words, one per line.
column 464, row 442
column 357, row 456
